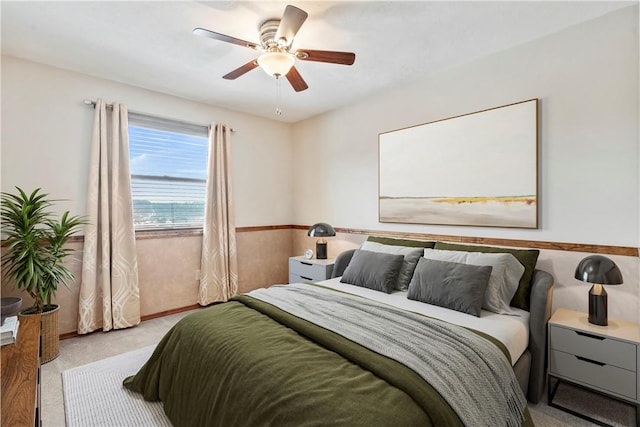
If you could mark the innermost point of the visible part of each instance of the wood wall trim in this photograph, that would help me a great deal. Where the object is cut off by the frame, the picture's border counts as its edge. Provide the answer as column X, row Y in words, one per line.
column 557, row 246
column 154, row 234
column 163, row 234
column 264, row 228
column 142, row 319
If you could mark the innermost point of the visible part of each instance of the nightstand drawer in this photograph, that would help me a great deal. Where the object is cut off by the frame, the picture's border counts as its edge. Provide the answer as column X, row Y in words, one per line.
column 593, row 347
column 604, row 377
column 309, row 271
column 294, row 278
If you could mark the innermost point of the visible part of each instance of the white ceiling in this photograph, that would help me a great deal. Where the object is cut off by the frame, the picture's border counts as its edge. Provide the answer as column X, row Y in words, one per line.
column 150, row 44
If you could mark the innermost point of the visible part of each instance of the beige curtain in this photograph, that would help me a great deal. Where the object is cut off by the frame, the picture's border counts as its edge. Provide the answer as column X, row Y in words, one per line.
column 109, row 295
column 218, row 266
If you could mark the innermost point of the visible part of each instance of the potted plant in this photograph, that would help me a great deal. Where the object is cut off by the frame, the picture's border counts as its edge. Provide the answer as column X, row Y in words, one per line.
column 34, row 254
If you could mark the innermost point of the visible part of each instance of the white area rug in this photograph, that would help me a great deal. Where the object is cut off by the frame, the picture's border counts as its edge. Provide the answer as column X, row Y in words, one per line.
column 94, row 395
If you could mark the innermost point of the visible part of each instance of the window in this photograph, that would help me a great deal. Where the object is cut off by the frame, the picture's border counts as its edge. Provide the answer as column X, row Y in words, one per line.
column 168, row 172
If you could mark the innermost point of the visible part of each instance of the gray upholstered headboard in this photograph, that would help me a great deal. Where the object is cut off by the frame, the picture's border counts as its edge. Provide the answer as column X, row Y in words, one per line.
column 531, row 367
column 540, row 312
column 342, row 260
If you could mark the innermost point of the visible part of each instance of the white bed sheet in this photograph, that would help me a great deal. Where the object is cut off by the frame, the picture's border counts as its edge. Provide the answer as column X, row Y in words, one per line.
column 512, row 331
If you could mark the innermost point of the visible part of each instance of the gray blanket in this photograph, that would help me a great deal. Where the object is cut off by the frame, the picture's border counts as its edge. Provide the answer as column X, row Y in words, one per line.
column 471, row 373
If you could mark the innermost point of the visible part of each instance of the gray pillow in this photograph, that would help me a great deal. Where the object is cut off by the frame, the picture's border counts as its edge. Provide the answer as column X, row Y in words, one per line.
column 411, row 257
column 460, row 287
column 504, row 279
column 373, row 270
column 526, row 257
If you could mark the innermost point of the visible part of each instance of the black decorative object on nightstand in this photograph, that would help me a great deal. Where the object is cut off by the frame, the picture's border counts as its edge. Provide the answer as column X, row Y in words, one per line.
column 598, row 270
column 322, row 230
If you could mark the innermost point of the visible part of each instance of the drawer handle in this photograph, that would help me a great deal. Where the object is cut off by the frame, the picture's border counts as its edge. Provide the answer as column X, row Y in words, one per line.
column 306, row 278
column 584, row 359
column 305, row 263
column 595, row 337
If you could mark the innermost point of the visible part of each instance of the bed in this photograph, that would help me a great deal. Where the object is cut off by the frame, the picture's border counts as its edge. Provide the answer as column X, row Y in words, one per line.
column 340, row 353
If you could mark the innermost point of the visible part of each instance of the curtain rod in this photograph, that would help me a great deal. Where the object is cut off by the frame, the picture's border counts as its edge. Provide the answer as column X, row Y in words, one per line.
column 93, row 104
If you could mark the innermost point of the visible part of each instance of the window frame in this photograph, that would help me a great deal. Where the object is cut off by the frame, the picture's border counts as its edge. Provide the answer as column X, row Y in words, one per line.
column 178, row 127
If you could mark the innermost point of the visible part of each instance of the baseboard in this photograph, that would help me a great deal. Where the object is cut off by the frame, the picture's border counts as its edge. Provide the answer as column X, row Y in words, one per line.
column 142, row 319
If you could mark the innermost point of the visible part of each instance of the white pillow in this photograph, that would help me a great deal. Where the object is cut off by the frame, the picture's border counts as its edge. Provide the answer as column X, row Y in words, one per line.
column 505, row 275
column 411, row 257
column 442, row 255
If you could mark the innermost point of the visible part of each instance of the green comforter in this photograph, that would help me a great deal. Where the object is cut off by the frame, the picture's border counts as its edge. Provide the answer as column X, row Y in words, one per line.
column 234, row 364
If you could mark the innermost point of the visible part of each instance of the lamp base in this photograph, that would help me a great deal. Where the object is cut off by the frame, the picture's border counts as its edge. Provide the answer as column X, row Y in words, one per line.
column 598, row 305
column 321, row 250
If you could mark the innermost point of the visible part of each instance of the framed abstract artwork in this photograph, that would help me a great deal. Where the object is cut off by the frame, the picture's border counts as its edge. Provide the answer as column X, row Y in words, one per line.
column 477, row 169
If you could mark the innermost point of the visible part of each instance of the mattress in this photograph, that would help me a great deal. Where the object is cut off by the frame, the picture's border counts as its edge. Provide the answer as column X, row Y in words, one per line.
column 510, row 330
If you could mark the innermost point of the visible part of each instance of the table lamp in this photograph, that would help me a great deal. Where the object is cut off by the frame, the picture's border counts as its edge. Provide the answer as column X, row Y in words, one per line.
column 322, row 230
column 598, row 270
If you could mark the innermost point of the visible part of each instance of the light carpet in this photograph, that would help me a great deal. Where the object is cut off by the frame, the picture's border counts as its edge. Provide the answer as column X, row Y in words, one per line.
column 94, row 395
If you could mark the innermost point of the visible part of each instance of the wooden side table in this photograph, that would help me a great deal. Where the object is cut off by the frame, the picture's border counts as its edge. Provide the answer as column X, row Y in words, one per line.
column 21, row 376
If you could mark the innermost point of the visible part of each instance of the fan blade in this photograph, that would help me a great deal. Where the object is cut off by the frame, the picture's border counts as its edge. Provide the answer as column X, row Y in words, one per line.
column 292, row 20
column 296, row 80
column 222, row 37
column 241, row 70
column 344, row 58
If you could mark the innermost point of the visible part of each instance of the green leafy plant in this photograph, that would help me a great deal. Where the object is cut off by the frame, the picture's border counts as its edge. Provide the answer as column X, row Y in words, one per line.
column 34, row 240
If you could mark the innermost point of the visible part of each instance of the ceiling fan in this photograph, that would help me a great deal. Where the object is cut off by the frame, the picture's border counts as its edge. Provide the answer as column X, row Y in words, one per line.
column 276, row 38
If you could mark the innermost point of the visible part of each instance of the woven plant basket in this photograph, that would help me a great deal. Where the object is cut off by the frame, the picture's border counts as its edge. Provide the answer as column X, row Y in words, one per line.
column 49, row 333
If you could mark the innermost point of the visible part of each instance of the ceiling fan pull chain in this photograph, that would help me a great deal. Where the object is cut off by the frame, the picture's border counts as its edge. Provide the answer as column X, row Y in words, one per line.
column 278, row 97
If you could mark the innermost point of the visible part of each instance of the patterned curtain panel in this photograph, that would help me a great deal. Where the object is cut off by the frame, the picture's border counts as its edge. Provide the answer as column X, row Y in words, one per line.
column 109, row 294
column 219, row 266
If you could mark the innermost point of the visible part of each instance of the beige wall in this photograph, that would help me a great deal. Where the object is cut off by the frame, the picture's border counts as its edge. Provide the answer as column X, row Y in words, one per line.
column 335, row 245
column 167, row 271
column 263, row 258
column 46, row 138
column 46, row 135
column 587, row 80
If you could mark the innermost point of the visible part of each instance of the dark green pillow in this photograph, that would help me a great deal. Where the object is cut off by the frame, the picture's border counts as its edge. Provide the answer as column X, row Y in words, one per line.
column 373, row 270
column 401, row 242
column 527, row 257
column 452, row 285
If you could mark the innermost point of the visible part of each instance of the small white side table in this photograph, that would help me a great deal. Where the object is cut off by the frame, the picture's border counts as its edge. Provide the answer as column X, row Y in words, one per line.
column 601, row 359
column 303, row 270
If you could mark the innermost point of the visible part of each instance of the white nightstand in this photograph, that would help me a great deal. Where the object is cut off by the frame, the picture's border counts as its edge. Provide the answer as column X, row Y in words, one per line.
column 309, row 270
column 602, row 359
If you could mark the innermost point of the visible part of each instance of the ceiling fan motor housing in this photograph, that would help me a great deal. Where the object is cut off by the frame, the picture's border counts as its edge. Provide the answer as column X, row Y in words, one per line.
column 268, row 31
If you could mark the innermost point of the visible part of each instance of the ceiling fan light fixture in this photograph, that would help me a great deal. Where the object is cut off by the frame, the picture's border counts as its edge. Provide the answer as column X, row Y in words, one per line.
column 276, row 64
column 276, row 39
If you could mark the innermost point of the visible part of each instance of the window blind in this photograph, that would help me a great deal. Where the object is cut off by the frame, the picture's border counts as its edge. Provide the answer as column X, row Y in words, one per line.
column 168, row 172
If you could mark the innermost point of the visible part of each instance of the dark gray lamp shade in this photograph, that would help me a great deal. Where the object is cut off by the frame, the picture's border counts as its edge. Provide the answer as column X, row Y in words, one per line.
column 599, row 270
column 322, row 230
